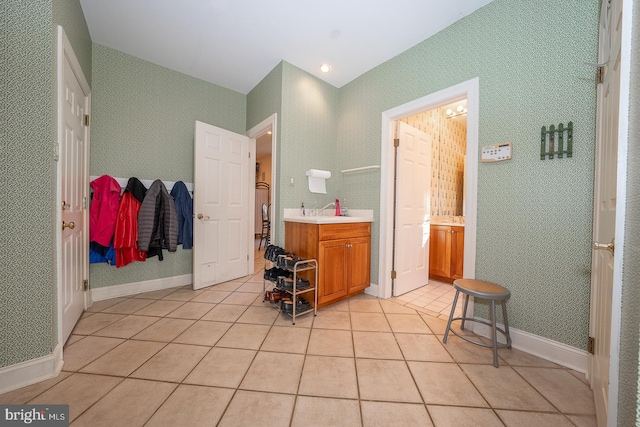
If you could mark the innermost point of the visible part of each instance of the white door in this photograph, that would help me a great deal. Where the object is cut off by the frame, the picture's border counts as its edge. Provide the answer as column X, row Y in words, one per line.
column 605, row 204
column 223, row 200
column 73, row 104
column 413, row 209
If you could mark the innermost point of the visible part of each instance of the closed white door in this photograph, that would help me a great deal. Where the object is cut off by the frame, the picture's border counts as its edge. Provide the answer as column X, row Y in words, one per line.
column 605, row 204
column 413, row 209
column 73, row 189
column 223, row 205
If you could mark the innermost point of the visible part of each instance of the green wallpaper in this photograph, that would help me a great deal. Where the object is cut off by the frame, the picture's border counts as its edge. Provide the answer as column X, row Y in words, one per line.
column 143, row 119
column 266, row 98
column 68, row 13
column 534, row 217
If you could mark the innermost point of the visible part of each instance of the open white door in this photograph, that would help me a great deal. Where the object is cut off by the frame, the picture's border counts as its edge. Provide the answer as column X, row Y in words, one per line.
column 413, row 209
column 604, row 213
column 223, row 205
column 73, row 105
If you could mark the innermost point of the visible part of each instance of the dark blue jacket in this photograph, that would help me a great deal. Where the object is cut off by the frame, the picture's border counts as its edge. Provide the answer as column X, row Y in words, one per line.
column 184, row 209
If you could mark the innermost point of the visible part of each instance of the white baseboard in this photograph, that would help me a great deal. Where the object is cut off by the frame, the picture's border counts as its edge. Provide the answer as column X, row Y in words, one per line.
column 31, row 371
column 553, row 351
column 108, row 292
column 372, row 290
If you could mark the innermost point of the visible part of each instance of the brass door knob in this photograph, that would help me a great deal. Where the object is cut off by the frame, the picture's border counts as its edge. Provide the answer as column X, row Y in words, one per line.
column 200, row 216
column 605, row 246
column 71, row 225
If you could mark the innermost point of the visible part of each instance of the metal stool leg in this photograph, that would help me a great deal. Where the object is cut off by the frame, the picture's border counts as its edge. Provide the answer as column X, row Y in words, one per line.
column 494, row 334
column 464, row 311
column 453, row 309
column 506, row 323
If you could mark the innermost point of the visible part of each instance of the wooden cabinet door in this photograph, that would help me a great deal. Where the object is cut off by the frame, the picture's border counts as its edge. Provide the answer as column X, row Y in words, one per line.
column 457, row 252
column 440, row 251
column 332, row 271
column 358, row 264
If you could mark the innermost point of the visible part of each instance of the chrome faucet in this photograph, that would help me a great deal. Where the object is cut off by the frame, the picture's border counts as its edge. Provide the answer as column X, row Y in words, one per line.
column 328, row 204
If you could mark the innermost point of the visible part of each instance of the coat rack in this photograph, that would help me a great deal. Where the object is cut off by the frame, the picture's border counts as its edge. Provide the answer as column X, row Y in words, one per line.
column 553, row 150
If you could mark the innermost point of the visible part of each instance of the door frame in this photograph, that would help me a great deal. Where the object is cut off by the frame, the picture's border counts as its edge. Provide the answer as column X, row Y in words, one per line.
column 471, row 91
column 65, row 49
column 268, row 124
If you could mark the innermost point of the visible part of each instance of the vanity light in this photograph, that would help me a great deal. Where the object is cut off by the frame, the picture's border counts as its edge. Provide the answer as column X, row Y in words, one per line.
column 460, row 110
column 325, row 68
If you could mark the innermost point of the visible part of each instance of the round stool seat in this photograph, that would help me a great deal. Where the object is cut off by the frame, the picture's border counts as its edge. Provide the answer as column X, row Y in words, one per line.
column 482, row 289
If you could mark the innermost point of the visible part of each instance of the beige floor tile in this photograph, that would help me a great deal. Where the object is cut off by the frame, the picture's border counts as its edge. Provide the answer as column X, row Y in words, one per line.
column 445, row 384
column 578, row 375
column 225, row 313
column 283, row 319
column 244, row 336
column 159, row 294
column 274, row 372
column 24, row 394
column 259, row 316
column 329, row 377
column 101, row 305
column 173, row 363
column 533, row 419
column 240, row 298
column 408, row 323
column 73, row 339
column 584, row 420
column 563, row 390
column 79, row 391
column 127, row 327
column 183, row 295
column 365, row 305
column 383, row 414
column 124, row 359
column 505, row 389
column 266, row 409
column 389, row 306
column 387, row 380
column 226, row 286
column 337, row 306
column 321, row 412
column 159, row 308
column 330, row 319
column 437, row 326
column 465, row 352
column 376, row 345
column 328, row 342
column 373, row 322
column 90, row 324
column 164, row 330
column 211, row 296
column 424, row 348
column 203, row 332
column 131, row 400
column 128, row 306
column 456, row 416
column 286, row 340
column 80, row 354
column 519, row 358
column 252, row 287
column 193, row 406
column 221, row 367
column 191, row 310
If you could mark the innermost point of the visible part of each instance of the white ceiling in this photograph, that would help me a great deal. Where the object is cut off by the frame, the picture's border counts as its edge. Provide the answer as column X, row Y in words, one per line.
column 236, row 43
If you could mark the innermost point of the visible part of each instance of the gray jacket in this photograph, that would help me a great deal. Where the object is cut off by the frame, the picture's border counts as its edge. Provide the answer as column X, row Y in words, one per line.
column 157, row 220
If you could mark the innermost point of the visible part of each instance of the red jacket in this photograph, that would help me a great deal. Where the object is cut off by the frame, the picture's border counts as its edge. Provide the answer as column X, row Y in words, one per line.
column 104, row 209
column 125, row 240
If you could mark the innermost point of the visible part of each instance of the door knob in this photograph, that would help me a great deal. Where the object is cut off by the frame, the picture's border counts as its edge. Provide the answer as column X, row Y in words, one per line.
column 605, row 246
column 65, row 205
column 200, row 216
column 71, row 225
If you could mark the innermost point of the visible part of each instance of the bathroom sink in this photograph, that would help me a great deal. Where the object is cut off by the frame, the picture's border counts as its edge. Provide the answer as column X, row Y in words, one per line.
column 326, row 219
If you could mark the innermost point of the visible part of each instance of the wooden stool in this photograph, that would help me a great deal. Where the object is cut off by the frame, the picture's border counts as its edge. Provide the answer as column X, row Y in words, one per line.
column 483, row 290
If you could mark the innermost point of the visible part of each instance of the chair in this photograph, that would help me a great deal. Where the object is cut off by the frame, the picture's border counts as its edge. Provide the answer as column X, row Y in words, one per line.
column 266, row 227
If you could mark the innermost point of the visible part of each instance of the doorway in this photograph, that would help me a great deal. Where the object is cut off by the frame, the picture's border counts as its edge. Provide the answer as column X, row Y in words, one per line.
column 467, row 90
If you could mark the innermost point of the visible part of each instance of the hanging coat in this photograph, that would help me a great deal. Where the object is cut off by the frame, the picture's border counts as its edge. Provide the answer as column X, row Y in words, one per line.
column 125, row 240
column 184, row 209
column 157, row 221
column 104, row 209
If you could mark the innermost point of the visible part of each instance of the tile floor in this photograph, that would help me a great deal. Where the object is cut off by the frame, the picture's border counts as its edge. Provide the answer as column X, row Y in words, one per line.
column 221, row 356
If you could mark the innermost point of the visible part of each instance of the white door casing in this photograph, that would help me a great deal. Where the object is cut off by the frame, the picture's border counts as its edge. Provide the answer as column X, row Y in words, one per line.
column 413, row 209
column 223, row 205
column 73, row 136
column 605, row 201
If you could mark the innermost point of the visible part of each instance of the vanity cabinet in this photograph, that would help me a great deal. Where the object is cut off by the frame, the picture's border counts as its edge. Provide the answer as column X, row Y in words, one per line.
column 343, row 252
column 446, row 253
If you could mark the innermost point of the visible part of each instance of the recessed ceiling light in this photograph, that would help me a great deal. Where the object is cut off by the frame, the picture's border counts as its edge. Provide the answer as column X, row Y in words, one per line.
column 268, row 132
column 325, row 68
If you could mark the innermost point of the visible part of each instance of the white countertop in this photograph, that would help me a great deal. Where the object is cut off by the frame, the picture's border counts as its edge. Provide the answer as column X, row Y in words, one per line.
column 355, row 215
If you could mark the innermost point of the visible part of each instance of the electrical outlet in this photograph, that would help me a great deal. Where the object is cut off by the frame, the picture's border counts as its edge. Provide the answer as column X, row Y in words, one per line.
column 292, row 182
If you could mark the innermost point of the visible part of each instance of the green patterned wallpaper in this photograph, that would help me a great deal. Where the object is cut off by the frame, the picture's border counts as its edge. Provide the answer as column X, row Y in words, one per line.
column 68, row 13
column 143, row 126
column 534, row 217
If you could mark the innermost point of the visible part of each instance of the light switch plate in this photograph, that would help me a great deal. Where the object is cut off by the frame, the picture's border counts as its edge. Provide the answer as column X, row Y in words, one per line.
column 495, row 152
